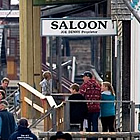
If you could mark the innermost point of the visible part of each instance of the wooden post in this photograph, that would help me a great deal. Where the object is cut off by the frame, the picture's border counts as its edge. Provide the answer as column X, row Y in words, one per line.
column 37, row 52
column 26, row 41
column 54, row 120
column 30, row 42
column 58, row 64
column 23, row 103
column 30, row 50
column 67, row 116
column 26, row 44
column 37, row 47
column 44, row 104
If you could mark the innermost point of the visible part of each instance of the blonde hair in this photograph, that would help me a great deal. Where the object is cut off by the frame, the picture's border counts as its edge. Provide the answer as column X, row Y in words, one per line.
column 109, row 86
column 46, row 73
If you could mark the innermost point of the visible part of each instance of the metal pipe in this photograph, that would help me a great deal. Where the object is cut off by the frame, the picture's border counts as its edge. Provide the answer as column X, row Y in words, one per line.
column 73, row 68
column 127, row 3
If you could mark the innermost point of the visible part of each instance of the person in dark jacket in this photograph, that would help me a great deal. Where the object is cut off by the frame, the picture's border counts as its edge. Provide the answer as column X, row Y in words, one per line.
column 7, row 121
column 23, row 132
column 61, row 136
column 78, row 110
column 91, row 90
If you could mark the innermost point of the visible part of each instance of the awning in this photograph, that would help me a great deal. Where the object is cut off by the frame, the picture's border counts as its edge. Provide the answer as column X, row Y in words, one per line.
column 65, row 10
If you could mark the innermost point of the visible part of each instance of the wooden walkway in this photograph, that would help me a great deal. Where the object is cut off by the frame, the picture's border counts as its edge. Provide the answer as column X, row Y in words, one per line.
column 40, row 128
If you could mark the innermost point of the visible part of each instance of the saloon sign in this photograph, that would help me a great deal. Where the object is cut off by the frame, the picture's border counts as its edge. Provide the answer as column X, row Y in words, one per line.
column 75, row 27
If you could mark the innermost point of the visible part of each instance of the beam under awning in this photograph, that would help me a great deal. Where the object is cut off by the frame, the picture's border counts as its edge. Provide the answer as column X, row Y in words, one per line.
column 58, row 10
column 2, row 48
column 66, row 10
column 61, row 2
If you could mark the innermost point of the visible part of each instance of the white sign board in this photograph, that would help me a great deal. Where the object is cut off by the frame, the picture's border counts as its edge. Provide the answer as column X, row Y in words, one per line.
column 78, row 27
column 9, row 13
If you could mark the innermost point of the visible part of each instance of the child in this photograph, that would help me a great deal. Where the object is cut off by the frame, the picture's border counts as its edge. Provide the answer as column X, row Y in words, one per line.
column 78, row 110
column 46, row 83
column 107, row 108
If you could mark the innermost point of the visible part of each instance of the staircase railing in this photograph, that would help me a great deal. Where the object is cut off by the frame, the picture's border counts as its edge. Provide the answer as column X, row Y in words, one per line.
column 65, row 82
column 71, row 67
column 42, row 117
column 34, row 104
column 96, row 75
column 14, row 104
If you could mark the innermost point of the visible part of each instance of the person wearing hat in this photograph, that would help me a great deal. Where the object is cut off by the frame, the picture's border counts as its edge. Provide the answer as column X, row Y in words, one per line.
column 61, row 136
column 23, row 132
column 7, row 121
column 91, row 90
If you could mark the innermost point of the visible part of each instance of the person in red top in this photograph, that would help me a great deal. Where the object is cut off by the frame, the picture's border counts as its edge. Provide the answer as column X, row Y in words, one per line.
column 91, row 90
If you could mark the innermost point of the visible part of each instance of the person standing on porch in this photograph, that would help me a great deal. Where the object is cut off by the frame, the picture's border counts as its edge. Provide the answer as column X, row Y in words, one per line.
column 91, row 90
column 78, row 110
column 46, row 83
column 107, row 108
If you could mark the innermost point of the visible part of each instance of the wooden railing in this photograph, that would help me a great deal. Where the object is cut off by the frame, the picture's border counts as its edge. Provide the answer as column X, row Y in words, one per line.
column 124, row 135
column 34, row 104
column 131, row 104
column 13, row 104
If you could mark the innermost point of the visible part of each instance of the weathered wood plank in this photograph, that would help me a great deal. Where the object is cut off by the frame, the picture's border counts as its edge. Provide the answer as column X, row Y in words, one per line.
column 94, row 134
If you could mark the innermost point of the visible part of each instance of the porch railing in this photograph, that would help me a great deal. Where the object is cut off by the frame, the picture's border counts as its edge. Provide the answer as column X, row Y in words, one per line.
column 124, row 135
